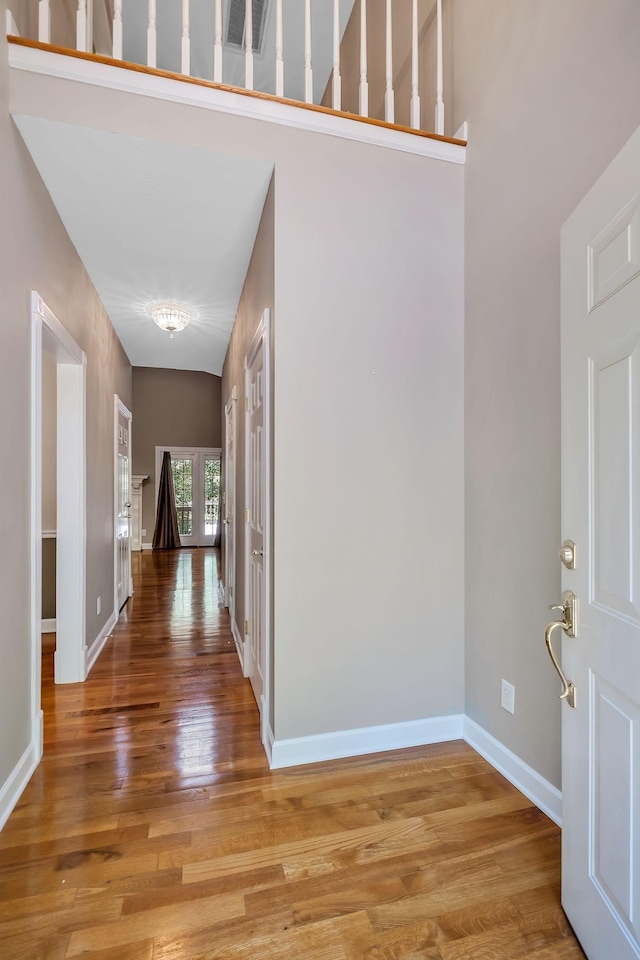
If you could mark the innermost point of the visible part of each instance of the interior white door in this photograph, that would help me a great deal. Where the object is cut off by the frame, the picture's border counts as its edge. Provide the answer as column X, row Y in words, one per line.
column 123, row 505
column 255, row 466
column 601, row 513
column 230, row 506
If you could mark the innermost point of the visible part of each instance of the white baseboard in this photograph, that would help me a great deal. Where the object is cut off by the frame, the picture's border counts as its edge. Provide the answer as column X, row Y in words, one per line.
column 235, row 633
column 17, row 780
column 146, row 546
column 545, row 796
column 94, row 651
column 48, row 626
column 267, row 736
column 354, row 743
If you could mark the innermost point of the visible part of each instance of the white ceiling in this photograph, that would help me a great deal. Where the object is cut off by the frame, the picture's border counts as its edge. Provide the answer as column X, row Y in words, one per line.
column 155, row 221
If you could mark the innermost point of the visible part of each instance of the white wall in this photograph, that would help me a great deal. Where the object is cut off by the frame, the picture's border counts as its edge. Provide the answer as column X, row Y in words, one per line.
column 551, row 92
column 368, row 442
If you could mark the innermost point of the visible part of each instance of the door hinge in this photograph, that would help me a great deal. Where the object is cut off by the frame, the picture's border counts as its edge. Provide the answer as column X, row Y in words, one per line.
column 247, row 515
column 246, row 628
column 246, row 403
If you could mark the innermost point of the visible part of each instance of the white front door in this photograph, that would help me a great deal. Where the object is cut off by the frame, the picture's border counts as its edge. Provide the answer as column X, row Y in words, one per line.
column 601, row 513
column 229, row 515
column 256, row 540
column 123, row 504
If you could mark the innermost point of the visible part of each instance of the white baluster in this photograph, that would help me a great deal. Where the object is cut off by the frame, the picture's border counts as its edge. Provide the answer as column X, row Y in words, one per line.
column 389, row 102
column 248, row 56
column 364, row 85
column 186, row 42
column 117, row 30
column 81, row 26
column 217, row 50
column 415, row 95
column 44, row 21
column 308, row 68
column 337, row 79
column 440, row 76
column 151, row 35
column 279, row 51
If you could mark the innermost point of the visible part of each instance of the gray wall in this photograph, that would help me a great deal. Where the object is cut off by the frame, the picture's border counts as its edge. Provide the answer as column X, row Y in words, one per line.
column 257, row 295
column 36, row 253
column 551, row 92
column 173, row 408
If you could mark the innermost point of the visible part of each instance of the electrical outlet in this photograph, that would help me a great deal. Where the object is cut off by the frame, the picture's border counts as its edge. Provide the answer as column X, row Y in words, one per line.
column 143, row 533
column 98, row 606
column 508, row 696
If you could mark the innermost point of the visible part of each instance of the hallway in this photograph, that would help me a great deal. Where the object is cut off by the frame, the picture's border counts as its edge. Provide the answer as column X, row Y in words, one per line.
column 154, row 830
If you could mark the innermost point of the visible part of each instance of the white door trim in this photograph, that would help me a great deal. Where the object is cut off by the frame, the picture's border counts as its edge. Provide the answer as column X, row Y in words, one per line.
column 230, row 480
column 261, row 338
column 119, row 408
column 70, row 659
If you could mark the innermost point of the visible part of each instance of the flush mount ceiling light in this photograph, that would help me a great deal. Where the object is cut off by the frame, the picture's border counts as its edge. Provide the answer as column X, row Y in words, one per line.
column 170, row 316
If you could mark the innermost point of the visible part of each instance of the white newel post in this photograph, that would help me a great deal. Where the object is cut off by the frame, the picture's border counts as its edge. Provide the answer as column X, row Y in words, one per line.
column 279, row 51
column 151, row 35
column 415, row 95
column 136, row 510
column 186, row 42
column 217, row 50
column 308, row 68
column 364, row 83
column 248, row 56
column 337, row 79
column 81, row 26
column 117, row 30
column 44, row 21
column 440, row 76
column 389, row 102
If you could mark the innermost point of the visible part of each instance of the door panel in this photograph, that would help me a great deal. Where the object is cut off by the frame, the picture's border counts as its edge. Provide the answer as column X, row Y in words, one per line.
column 230, row 507
column 601, row 513
column 255, row 520
column 182, row 468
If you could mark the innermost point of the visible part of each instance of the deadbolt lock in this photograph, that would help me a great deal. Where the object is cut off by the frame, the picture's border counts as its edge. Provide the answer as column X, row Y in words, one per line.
column 568, row 554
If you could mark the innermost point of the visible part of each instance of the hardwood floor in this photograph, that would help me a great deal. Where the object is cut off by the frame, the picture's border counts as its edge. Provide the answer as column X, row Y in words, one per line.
column 154, row 830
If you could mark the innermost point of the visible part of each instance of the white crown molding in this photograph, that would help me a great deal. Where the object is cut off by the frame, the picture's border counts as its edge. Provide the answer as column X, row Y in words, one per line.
column 96, row 74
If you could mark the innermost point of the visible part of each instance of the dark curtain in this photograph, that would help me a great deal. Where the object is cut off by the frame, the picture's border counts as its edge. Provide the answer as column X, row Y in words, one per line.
column 166, row 535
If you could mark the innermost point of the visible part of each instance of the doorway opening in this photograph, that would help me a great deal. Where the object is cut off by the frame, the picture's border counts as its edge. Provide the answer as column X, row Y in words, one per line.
column 50, row 337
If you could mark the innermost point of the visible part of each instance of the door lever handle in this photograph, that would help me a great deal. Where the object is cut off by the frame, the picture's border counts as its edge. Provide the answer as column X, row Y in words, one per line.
column 569, row 623
column 568, row 688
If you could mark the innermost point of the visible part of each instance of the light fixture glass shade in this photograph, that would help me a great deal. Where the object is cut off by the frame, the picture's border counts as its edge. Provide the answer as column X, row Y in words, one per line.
column 170, row 316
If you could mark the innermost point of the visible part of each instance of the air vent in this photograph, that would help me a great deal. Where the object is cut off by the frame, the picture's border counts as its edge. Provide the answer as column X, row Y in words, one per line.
column 236, row 14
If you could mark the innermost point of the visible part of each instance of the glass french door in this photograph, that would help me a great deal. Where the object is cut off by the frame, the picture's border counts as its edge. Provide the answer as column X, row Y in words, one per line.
column 196, row 485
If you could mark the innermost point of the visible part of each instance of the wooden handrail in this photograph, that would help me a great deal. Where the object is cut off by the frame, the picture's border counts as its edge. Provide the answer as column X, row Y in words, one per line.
column 226, row 88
